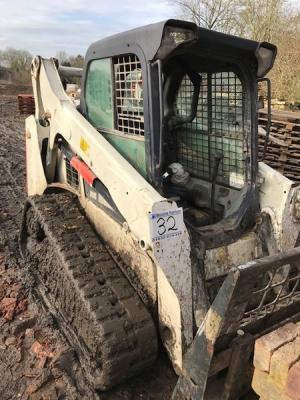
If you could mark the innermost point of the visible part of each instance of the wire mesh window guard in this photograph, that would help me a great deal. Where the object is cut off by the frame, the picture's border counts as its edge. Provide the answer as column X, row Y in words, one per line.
column 217, row 128
column 129, row 95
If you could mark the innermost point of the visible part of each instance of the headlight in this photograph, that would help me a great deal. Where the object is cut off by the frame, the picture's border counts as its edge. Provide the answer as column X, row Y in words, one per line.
column 173, row 36
column 265, row 55
column 175, row 33
column 296, row 205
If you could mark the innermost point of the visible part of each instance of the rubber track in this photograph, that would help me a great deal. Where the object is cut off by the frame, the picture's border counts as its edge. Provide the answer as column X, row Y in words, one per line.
column 99, row 311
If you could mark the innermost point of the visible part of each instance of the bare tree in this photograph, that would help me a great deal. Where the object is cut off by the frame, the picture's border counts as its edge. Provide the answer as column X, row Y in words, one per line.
column 286, row 72
column 276, row 21
column 212, row 14
column 62, row 57
column 260, row 19
column 77, row 61
column 19, row 61
column 70, row 61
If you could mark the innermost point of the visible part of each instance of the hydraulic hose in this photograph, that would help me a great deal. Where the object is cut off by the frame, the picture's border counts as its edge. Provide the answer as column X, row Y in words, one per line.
column 217, row 159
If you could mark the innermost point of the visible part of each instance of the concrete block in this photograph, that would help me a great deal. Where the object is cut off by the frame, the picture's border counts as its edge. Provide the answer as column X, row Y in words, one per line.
column 268, row 344
column 293, row 382
column 266, row 388
column 282, row 360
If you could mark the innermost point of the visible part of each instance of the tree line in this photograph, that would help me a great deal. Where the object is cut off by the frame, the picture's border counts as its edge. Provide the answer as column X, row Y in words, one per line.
column 275, row 21
column 19, row 62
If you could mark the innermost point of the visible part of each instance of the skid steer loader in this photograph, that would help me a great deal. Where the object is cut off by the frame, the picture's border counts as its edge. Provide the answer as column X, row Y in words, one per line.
column 149, row 217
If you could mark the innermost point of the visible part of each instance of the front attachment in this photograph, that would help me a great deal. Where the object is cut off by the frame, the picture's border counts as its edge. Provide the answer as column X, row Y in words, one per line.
column 254, row 299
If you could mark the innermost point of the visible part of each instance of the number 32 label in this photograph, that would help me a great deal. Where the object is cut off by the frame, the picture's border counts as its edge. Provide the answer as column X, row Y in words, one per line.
column 166, row 225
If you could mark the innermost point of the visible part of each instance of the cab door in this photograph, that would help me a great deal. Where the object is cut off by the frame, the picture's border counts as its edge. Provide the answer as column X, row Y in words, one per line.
column 115, row 105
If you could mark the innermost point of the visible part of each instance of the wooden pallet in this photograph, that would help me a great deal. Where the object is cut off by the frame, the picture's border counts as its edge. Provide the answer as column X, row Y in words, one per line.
column 283, row 149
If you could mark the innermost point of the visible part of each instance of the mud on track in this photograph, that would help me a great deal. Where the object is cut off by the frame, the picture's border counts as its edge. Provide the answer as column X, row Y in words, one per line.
column 36, row 362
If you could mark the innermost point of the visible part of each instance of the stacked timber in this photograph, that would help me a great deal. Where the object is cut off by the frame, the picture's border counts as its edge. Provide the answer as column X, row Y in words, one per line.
column 26, row 104
column 277, row 364
column 283, row 149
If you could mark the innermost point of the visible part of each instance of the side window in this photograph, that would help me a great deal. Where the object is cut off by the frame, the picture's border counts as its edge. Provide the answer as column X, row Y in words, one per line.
column 129, row 95
column 98, row 94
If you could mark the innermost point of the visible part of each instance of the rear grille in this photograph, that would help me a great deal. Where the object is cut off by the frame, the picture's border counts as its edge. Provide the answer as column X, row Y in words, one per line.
column 72, row 175
column 281, row 288
column 217, row 128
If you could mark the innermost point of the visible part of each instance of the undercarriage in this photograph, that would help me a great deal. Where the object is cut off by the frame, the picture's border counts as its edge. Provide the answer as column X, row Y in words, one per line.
column 83, row 287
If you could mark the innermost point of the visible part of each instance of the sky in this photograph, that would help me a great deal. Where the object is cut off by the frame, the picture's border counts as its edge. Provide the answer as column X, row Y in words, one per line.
column 46, row 27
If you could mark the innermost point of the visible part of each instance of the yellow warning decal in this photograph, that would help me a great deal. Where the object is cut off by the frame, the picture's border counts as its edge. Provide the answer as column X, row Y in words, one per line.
column 85, row 147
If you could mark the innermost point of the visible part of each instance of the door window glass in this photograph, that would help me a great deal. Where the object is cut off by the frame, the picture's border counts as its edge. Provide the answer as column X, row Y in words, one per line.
column 98, row 94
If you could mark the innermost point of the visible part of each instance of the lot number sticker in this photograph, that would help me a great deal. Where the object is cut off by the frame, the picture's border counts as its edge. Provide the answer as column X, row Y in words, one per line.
column 166, row 225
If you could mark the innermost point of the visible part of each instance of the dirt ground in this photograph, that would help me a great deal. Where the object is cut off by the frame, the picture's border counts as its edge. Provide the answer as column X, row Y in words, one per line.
column 36, row 362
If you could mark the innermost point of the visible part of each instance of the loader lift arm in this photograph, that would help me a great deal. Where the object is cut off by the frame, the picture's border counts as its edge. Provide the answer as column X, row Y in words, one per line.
column 54, row 105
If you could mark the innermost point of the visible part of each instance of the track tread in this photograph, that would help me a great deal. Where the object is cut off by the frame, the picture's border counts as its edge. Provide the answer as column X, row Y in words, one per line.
column 90, row 293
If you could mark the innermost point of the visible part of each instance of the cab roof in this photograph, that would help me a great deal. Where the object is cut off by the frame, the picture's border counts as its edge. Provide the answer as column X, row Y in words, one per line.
column 149, row 39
